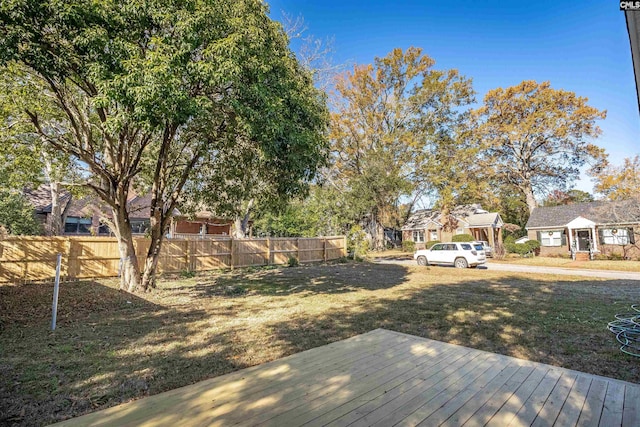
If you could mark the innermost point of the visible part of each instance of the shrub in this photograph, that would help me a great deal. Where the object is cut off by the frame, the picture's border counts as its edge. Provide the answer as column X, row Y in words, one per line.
column 357, row 243
column 187, row 274
column 408, row 246
column 532, row 244
column 462, row 238
column 292, row 261
column 431, row 243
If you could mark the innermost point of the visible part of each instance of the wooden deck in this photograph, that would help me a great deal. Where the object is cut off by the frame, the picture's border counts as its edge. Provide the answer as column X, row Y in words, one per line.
column 386, row 378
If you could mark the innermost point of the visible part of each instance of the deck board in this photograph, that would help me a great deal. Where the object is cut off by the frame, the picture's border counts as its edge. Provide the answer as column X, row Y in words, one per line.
column 387, row 378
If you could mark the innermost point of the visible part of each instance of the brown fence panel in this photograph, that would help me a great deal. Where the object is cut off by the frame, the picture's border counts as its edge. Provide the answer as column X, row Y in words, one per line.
column 283, row 249
column 210, row 254
column 34, row 258
column 30, row 258
column 247, row 252
column 310, row 250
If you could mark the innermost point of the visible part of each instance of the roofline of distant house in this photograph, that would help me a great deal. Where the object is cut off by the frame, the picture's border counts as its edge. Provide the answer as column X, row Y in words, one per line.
column 547, row 227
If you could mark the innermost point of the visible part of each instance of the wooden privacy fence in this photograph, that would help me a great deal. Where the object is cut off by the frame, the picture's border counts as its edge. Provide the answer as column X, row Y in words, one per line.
column 34, row 258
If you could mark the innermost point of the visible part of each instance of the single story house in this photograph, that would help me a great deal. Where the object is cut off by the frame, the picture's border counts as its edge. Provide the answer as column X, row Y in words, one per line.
column 427, row 225
column 85, row 216
column 587, row 229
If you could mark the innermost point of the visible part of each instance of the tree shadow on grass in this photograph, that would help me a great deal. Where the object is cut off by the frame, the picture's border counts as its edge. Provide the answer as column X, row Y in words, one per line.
column 561, row 323
column 109, row 347
column 316, row 279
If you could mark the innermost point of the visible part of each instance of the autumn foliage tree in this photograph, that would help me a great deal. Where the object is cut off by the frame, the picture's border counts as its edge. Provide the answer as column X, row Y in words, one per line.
column 387, row 117
column 536, row 138
column 619, row 182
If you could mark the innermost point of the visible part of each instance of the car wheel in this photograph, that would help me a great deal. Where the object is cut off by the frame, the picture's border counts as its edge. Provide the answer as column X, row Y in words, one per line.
column 461, row 263
column 422, row 260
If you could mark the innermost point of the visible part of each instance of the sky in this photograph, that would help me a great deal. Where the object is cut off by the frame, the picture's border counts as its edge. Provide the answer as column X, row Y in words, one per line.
column 581, row 46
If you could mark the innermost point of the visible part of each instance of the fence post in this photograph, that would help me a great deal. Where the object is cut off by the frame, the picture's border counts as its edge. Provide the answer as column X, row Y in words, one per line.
column 324, row 249
column 298, row 245
column 344, row 245
column 187, row 254
column 67, row 249
column 268, row 251
column 233, row 250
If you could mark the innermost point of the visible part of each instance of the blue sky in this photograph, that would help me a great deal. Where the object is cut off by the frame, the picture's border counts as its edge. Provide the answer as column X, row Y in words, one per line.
column 580, row 46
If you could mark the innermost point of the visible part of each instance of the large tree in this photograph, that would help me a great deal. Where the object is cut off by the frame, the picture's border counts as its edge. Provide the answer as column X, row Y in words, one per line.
column 388, row 116
column 536, row 138
column 153, row 94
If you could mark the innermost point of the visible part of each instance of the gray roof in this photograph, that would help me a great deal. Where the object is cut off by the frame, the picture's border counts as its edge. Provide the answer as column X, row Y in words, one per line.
column 600, row 212
column 421, row 219
column 40, row 198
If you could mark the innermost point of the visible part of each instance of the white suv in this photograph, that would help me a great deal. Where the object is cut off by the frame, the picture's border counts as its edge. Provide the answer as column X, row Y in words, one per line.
column 461, row 255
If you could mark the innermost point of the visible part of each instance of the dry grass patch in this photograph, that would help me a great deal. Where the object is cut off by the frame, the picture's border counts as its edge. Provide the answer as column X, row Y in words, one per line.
column 569, row 263
column 111, row 347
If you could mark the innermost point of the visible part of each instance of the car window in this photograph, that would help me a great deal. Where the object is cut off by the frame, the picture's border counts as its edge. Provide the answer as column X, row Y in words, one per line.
column 450, row 247
column 478, row 247
column 466, row 247
column 437, row 247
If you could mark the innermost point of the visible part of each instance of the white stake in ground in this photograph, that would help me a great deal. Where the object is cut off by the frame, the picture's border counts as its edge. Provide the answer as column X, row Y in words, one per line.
column 56, row 288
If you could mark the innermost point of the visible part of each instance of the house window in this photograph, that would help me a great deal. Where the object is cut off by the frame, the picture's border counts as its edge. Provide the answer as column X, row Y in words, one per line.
column 75, row 225
column 418, row 236
column 433, row 235
column 139, row 226
column 104, row 230
column 551, row 238
column 615, row 236
column 459, row 231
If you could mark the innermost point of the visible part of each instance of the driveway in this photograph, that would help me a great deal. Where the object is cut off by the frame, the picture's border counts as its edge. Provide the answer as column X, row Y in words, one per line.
column 603, row 274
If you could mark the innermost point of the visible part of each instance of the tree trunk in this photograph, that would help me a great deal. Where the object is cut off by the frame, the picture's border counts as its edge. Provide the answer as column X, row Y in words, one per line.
column 55, row 219
column 241, row 224
column 129, row 270
column 237, row 232
column 375, row 231
column 151, row 262
column 531, row 200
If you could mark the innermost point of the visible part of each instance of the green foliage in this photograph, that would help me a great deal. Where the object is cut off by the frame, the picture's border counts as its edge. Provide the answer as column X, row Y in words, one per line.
column 17, row 214
column 197, row 101
column 462, row 238
column 522, row 249
column 293, row 262
column 320, row 214
column 187, row 274
column 428, row 245
column 532, row 244
column 357, row 243
column 408, row 246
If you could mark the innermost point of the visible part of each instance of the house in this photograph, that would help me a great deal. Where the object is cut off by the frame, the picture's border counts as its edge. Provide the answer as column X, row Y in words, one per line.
column 587, row 229
column 427, row 225
column 86, row 216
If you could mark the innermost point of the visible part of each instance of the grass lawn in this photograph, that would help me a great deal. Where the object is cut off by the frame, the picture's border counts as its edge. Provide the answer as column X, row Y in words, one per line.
column 568, row 263
column 111, row 347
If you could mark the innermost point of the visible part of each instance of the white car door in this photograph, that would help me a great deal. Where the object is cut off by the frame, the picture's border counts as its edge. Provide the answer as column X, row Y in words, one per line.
column 435, row 254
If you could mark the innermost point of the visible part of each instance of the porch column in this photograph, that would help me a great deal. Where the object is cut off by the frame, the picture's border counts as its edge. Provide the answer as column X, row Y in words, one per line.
column 491, row 237
column 594, row 238
column 570, row 237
